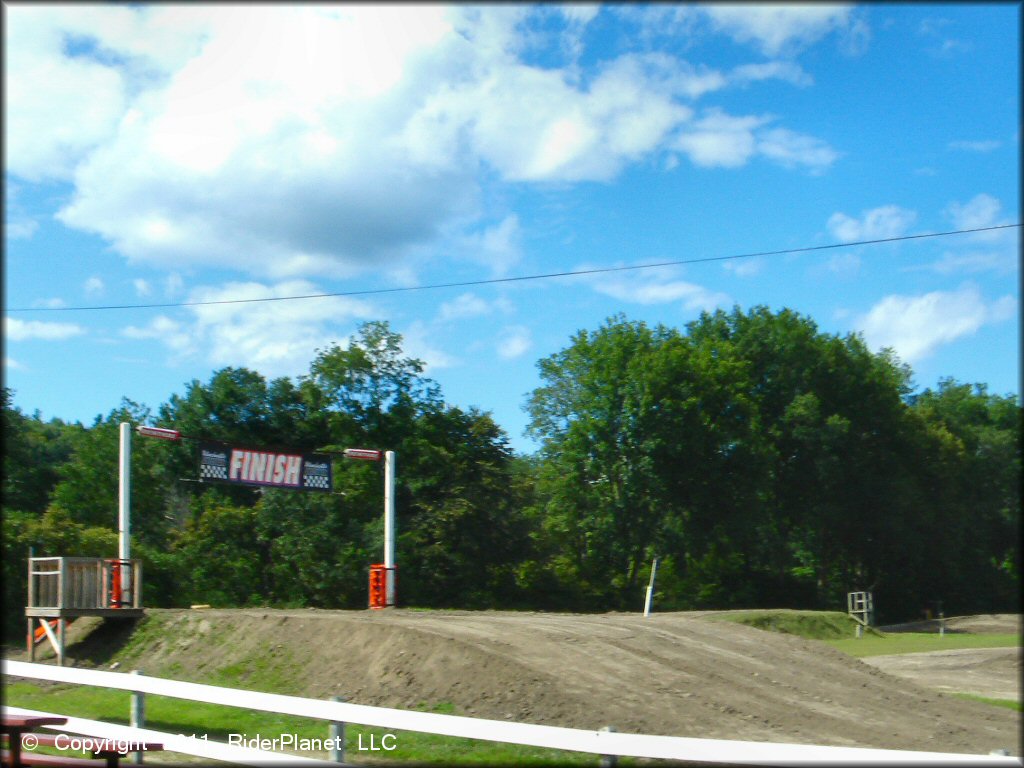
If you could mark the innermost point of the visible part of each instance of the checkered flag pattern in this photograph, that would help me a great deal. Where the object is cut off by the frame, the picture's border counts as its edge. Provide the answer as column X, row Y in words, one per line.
column 212, row 472
column 321, row 482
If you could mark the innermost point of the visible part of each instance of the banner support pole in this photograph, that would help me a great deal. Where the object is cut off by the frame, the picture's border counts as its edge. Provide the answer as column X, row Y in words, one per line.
column 124, row 516
column 389, row 524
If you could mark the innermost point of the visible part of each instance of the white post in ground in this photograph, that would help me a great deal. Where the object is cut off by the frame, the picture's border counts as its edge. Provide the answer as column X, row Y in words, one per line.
column 137, row 715
column 389, row 524
column 336, row 735
column 124, row 523
column 650, row 588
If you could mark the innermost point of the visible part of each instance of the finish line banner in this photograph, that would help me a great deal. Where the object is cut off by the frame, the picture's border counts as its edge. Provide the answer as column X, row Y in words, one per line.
column 240, row 466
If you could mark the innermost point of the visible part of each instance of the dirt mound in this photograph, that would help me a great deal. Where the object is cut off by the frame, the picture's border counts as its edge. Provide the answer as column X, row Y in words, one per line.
column 991, row 672
column 672, row 674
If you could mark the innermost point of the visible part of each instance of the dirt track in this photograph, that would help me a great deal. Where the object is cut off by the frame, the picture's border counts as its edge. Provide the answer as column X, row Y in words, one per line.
column 673, row 674
column 992, row 672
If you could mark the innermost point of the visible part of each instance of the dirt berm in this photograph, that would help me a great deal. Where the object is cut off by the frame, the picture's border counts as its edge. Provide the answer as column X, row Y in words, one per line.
column 672, row 673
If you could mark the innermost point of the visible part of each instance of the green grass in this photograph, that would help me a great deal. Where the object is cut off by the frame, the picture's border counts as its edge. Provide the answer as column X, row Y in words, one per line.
column 813, row 625
column 217, row 722
column 1007, row 703
column 837, row 629
column 919, row 642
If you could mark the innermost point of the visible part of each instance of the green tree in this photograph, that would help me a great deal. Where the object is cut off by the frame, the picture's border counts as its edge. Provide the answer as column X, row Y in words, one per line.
column 34, row 452
column 769, row 463
column 88, row 488
column 221, row 556
column 463, row 530
column 973, row 546
column 599, row 478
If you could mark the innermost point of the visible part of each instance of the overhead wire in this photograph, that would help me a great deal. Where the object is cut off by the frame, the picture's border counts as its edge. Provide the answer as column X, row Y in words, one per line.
column 519, row 278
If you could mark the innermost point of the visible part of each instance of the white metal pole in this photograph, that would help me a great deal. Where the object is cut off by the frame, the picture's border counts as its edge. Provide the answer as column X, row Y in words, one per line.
column 650, row 588
column 124, row 522
column 389, row 524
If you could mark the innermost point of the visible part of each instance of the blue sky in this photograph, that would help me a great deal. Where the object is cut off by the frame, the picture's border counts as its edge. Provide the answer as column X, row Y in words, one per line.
column 171, row 154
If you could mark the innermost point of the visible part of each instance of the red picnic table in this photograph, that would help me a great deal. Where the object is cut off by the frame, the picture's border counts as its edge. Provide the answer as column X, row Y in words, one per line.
column 17, row 727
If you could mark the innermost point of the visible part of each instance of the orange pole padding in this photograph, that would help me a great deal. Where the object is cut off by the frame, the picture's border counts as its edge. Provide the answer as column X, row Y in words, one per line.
column 378, row 586
column 115, row 578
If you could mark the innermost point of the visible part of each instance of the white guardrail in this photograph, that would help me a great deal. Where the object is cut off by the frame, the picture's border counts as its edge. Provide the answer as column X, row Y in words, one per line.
column 552, row 737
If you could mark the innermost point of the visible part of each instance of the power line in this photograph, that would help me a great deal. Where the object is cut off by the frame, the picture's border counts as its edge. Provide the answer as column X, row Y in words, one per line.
column 521, row 278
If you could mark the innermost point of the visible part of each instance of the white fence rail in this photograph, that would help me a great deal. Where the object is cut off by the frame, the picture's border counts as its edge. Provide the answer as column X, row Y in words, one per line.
column 552, row 737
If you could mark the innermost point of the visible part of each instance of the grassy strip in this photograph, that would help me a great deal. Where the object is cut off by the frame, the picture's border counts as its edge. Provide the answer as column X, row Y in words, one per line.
column 813, row 625
column 838, row 630
column 217, row 722
column 920, row 642
column 1006, row 703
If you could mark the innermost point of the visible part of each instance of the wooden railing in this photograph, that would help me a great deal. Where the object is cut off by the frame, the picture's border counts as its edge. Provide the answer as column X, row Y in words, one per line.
column 85, row 583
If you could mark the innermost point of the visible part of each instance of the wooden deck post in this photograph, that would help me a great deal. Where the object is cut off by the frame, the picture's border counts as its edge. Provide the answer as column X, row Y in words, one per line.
column 61, row 640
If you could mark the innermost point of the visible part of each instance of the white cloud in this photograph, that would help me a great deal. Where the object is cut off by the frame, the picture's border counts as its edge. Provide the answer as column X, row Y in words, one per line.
column 497, row 247
column 363, row 128
column 856, row 37
column 723, row 140
column 11, row 364
column 274, row 337
column 744, row 267
column 791, row 149
column 875, row 224
column 171, row 333
column 93, row 286
column 85, row 61
column 582, row 13
column 465, row 306
column 537, row 125
column 780, row 28
column 469, row 305
column 974, row 261
column 935, row 28
column 25, row 330
column 43, row 87
column 18, row 225
column 49, row 303
column 995, row 251
column 720, row 140
column 843, row 264
column 915, row 326
column 288, row 142
column 142, row 287
column 515, row 342
column 277, row 338
column 21, row 228
column 173, row 284
column 660, row 286
column 976, row 146
column 981, row 211
column 781, row 70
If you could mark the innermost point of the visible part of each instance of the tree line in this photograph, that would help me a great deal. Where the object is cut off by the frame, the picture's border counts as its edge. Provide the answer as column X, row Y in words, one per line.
column 766, row 463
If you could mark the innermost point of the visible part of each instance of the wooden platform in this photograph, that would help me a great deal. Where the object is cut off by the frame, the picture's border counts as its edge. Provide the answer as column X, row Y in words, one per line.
column 64, row 588
column 74, row 613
